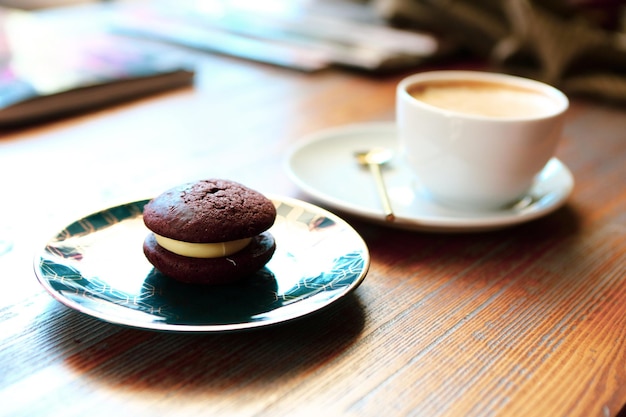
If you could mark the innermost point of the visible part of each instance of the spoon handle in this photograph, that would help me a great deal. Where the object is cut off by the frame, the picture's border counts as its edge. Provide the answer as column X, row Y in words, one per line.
column 382, row 191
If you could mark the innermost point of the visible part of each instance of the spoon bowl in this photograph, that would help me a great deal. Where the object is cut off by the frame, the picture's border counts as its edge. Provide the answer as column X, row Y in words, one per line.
column 379, row 156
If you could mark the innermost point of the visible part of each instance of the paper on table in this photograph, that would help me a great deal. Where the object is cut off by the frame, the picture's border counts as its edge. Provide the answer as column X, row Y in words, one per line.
column 287, row 34
column 73, row 72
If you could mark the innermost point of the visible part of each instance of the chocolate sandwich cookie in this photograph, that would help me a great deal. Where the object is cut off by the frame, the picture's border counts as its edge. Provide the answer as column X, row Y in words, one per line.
column 209, row 232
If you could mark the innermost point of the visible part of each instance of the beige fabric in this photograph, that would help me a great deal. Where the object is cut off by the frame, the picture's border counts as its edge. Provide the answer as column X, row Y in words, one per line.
column 579, row 46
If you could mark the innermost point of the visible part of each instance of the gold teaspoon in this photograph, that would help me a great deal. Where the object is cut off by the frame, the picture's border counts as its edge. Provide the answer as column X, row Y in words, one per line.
column 374, row 158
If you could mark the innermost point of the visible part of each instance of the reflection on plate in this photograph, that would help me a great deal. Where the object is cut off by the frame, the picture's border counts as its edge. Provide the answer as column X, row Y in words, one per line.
column 96, row 265
column 323, row 166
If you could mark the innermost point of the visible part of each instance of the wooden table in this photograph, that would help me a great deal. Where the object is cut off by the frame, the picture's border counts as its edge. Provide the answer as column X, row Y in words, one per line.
column 527, row 321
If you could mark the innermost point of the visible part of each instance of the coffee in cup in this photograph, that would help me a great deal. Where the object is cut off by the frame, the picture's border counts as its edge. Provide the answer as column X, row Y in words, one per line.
column 483, row 98
column 477, row 140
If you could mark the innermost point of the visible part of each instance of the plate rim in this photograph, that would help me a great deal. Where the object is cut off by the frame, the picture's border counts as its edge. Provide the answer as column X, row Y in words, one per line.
column 433, row 224
column 208, row 328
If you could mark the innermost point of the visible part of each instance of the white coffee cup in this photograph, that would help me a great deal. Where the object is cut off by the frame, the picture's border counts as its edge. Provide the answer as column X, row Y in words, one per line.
column 477, row 140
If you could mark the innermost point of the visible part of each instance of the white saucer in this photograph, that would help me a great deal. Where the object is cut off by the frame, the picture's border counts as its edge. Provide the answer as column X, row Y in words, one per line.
column 323, row 166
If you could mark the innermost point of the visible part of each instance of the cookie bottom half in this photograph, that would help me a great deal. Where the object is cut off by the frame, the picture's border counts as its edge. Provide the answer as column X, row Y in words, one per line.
column 211, row 271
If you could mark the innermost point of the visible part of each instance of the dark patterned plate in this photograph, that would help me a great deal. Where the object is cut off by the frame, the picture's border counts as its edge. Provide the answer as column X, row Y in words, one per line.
column 96, row 266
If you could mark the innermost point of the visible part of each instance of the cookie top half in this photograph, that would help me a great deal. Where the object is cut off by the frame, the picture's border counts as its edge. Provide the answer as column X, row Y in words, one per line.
column 209, row 211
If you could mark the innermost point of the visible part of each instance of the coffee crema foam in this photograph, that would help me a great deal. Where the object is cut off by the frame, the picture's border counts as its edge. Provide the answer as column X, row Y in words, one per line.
column 481, row 98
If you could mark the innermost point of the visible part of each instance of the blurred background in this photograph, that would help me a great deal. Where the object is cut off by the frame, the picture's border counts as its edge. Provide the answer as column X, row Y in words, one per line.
column 578, row 46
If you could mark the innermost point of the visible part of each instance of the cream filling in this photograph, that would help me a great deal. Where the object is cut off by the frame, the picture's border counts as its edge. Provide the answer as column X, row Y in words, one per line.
column 202, row 250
